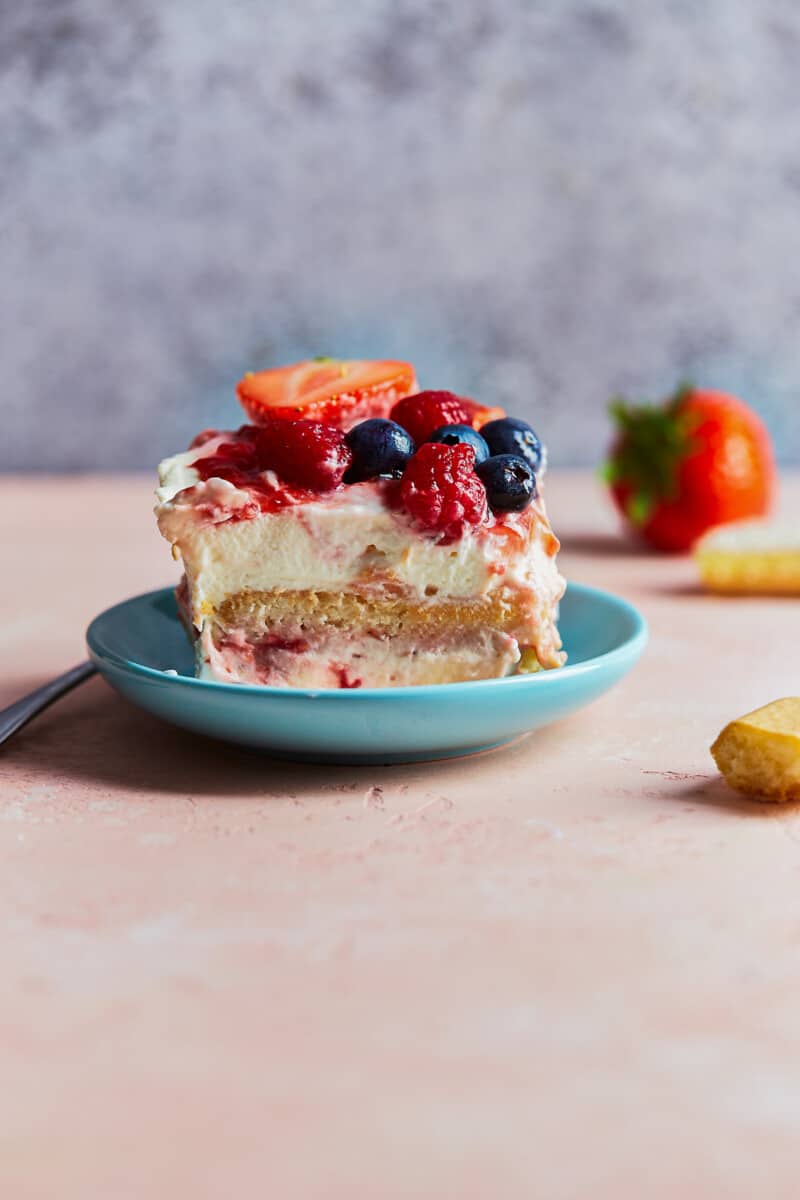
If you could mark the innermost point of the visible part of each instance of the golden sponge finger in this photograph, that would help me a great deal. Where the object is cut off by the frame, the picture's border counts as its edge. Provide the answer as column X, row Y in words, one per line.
column 759, row 753
column 751, row 558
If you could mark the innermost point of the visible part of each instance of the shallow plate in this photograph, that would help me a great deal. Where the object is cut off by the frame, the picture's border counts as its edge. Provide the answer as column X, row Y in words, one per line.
column 135, row 643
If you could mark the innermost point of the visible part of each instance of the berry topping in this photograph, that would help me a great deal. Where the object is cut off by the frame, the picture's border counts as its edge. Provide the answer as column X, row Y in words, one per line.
column 509, row 481
column 427, row 411
column 379, row 447
column 461, row 435
column 440, row 490
column 232, row 461
column 306, row 453
column 327, row 389
column 512, row 436
column 200, row 439
column 481, row 414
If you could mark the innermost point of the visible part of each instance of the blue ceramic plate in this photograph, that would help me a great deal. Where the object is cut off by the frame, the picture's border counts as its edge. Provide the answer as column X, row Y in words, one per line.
column 134, row 643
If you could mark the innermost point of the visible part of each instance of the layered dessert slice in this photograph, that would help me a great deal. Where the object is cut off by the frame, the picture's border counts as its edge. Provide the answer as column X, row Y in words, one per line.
column 361, row 533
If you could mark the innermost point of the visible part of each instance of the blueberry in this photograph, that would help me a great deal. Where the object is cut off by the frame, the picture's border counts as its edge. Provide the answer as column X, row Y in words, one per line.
column 509, row 435
column 461, row 435
column 379, row 447
column 509, row 481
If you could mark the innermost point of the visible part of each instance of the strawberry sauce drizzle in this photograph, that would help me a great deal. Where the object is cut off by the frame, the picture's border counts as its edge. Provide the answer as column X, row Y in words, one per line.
column 344, row 677
column 237, row 462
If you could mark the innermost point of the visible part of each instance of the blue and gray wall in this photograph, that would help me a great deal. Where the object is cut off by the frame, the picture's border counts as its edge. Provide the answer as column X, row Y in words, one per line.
column 540, row 204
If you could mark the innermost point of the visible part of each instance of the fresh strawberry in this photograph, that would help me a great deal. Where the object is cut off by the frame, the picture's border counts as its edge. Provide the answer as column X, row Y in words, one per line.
column 307, row 453
column 700, row 459
column 326, row 389
column 440, row 490
column 425, row 412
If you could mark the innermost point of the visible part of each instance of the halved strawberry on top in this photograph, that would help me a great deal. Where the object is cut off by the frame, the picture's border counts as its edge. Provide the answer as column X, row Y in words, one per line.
column 337, row 391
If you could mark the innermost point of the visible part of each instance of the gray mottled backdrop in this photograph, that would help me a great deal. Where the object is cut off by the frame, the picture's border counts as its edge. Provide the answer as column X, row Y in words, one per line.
column 539, row 203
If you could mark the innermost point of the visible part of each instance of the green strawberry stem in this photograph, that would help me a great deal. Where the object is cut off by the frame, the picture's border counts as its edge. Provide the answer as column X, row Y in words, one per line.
column 653, row 441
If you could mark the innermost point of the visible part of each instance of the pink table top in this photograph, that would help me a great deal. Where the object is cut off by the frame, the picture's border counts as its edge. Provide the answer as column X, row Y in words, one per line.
column 569, row 968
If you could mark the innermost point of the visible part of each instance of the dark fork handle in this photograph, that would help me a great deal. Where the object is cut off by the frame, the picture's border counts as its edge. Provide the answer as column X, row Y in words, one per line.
column 22, row 711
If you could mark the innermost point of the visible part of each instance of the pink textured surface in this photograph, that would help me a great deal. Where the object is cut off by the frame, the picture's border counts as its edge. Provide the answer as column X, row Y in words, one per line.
column 565, row 969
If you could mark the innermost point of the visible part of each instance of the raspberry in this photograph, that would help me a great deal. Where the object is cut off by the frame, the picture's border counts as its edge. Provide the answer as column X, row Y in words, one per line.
column 440, row 490
column 420, row 415
column 306, row 453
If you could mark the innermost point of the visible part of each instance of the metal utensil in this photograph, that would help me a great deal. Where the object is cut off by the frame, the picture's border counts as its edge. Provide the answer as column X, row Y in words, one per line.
column 21, row 711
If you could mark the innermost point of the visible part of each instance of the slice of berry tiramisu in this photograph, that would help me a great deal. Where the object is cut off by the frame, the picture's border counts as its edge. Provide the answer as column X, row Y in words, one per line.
column 362, row 533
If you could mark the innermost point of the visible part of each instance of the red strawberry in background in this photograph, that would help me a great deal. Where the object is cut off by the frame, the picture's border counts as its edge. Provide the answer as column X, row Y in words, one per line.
column 702, row 458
